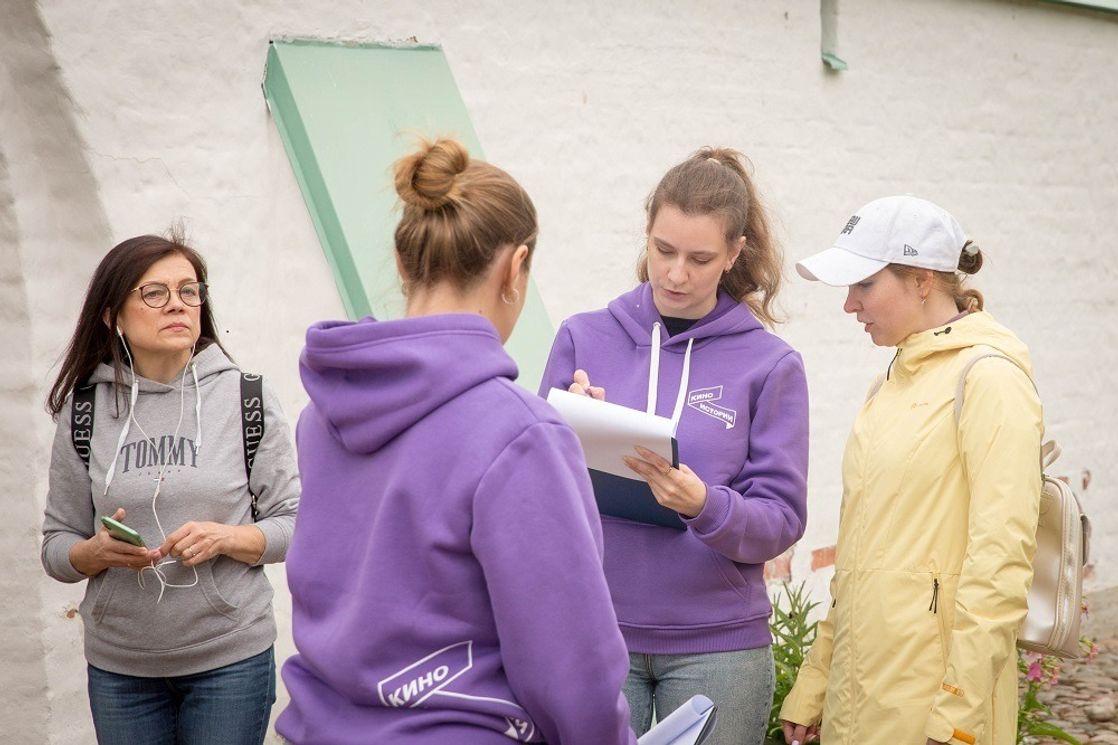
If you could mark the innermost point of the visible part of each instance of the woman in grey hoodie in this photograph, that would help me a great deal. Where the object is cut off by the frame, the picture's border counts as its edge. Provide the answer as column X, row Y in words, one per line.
column 158, row 430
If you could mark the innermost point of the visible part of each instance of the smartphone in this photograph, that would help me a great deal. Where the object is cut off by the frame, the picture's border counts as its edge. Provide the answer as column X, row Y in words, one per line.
column 122, row 532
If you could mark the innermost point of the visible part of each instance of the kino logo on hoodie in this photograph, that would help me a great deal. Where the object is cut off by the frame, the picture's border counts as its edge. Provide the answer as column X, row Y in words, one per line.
column 703, row 400
column 419, row 680
column 429, row 676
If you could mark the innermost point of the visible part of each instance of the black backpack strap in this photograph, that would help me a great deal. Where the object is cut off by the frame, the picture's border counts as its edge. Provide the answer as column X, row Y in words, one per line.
column 252, row 423
column 81, row 420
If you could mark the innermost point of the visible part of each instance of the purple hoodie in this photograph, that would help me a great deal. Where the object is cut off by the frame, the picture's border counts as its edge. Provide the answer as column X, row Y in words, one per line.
column 445, row 571
column 743, row 429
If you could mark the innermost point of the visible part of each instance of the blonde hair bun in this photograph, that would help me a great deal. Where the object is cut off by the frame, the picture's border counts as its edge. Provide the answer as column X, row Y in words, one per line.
column 428, row 178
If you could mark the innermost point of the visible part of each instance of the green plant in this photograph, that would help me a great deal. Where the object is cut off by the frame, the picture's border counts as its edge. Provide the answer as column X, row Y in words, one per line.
column 792, row 637
column 1038, row 672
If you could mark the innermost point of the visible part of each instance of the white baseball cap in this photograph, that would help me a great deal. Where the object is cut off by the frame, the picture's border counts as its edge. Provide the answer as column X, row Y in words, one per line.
column 891, row 230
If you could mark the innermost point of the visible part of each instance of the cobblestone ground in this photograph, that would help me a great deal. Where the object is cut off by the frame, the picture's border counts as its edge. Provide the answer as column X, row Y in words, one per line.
column 1085, row 701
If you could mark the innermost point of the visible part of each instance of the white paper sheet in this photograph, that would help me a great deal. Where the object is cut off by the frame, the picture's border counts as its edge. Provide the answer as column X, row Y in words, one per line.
column 687, row 725
column 608, row 432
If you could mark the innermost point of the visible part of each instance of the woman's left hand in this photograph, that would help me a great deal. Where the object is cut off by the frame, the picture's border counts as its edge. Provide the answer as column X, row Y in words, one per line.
column 677, row 489
column 198, row 542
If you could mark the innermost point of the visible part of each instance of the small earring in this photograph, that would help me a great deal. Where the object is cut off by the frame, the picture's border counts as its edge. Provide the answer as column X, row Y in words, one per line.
column 515, row 297
column 923, row 299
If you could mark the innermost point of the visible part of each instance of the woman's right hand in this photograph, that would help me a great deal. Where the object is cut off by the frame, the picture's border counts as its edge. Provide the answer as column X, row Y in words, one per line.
column 94, row 555
column 799, row 734
column 581, row 385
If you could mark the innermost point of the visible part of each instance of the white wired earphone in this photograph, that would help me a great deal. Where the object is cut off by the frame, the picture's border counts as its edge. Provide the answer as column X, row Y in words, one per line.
column 135, row 389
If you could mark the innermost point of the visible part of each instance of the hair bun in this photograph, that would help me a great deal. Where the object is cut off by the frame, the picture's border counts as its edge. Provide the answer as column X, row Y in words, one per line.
column 970, row 260
column 427, row 178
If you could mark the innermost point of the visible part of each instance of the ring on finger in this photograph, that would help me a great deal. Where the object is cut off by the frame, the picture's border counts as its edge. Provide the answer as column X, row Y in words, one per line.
column 188, row 552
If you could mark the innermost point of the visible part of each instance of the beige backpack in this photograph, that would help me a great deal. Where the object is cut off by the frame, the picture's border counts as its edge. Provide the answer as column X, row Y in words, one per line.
column 1062, row 539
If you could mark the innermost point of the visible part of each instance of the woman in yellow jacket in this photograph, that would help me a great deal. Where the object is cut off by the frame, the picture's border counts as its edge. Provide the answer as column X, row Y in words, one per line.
column 938, row 519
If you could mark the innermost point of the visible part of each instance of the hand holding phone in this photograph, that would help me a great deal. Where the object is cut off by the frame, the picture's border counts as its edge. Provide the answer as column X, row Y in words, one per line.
column 122, row 532
column 114, row 545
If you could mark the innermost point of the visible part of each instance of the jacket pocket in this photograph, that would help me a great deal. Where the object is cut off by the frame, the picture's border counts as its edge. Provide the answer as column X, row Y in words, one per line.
column 210, row 590
column 665, row 578
column 940, row 626
column 107, row 582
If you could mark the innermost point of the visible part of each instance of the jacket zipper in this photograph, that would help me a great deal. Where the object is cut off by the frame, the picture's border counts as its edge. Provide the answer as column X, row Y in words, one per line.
column 934, row 605
column 889, row 370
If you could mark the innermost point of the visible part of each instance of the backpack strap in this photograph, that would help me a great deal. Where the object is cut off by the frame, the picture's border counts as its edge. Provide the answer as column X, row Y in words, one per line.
column 1049, row 451
column 961, row 386
column 81, row 420
column 252, row 423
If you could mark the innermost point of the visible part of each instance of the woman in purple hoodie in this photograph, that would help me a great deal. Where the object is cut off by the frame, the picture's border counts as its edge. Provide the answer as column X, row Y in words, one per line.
column 688, row 343
column 446, row 567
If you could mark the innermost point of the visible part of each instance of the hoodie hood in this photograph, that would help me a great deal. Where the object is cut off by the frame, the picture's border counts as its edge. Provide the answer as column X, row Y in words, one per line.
column 974, row 329
column 371, row 380
column 637, row 314
column 206, row 363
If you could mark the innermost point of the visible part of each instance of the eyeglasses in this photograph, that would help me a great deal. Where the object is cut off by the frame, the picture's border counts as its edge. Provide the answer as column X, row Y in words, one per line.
column 157, row 294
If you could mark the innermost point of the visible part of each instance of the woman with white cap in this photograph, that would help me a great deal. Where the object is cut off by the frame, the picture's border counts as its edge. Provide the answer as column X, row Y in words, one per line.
column 940, row 503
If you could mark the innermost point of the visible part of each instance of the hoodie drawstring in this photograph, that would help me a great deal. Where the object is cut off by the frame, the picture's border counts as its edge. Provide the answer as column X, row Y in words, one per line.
column 654, row 378
column 197, row 404
column 135, row 390
column 133, row 395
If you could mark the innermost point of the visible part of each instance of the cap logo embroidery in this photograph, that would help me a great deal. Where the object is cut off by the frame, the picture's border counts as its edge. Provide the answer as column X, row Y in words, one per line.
column 850, row 225
column 910, row 251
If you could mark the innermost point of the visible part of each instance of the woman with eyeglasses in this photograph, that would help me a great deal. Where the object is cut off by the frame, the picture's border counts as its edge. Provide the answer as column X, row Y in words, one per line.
column 199, row 486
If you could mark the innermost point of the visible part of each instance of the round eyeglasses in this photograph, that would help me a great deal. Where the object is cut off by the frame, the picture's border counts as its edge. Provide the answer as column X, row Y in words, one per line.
column 157, row 294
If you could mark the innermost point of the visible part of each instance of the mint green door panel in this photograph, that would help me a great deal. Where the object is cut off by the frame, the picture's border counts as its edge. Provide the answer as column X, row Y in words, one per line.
column 345, row 113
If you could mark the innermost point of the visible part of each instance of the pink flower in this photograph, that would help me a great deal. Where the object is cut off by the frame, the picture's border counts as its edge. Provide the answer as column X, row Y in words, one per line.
column 1035, row 673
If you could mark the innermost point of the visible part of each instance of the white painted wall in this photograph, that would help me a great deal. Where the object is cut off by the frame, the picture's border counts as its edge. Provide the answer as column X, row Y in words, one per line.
column 117, row 117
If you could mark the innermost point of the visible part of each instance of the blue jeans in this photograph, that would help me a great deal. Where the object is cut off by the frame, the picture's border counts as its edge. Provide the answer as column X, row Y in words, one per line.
column 739, row 683
column 229, row 705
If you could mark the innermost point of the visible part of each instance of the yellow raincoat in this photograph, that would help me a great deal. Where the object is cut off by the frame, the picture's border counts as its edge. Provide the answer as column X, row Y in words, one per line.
column 933, row 564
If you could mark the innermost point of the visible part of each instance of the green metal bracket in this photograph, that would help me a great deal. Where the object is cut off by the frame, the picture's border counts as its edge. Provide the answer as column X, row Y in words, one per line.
column 833, row 62
column 828, row 35
column 345, row 113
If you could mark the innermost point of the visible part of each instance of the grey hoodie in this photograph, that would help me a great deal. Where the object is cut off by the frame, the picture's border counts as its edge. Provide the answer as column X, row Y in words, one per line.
column 226, row 616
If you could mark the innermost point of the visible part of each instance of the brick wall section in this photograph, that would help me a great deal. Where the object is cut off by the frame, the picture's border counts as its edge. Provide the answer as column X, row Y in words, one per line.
column 822, row 558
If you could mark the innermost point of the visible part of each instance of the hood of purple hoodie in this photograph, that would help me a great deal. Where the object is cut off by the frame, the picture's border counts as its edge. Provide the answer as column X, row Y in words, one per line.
column 636, row 312
column 372, row 380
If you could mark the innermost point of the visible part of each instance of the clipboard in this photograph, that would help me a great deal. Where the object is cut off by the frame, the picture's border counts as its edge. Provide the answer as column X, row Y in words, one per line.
column 609, row 432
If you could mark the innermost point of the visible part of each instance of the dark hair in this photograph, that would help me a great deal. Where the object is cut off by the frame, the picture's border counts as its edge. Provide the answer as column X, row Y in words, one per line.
column 966, row 298
column 458, row 212
column 716, row 181
column 94, row 340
